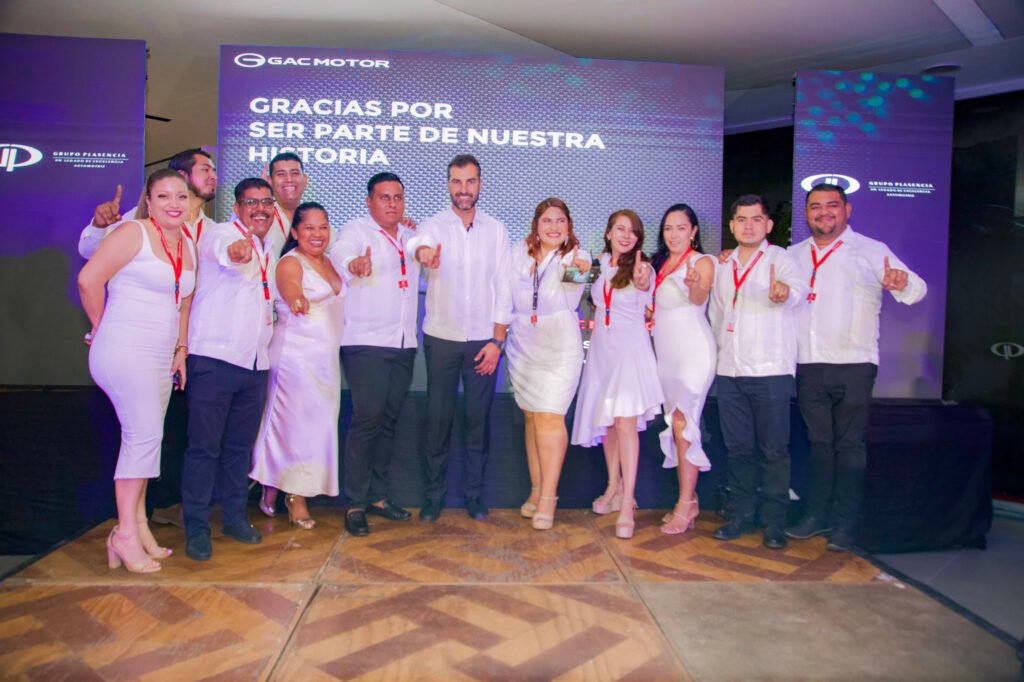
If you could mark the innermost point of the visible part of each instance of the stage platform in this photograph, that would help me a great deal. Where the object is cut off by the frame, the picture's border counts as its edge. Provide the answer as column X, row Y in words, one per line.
column 491, row 600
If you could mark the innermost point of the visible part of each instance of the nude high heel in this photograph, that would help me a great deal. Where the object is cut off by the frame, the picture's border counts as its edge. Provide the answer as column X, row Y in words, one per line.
column 624, row 529
column 688, row 518
column 606, row 505
column 528, row 508
column 544, row 521
column 149, row 543
column 307, row 523
column 116, row 556
column 266, row 506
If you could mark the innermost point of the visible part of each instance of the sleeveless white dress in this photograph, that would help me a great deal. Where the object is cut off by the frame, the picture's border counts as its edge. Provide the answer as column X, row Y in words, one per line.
column 687, row 359
column 130, row 356
column 544, row 360
column 620, row 376
column 297, row 448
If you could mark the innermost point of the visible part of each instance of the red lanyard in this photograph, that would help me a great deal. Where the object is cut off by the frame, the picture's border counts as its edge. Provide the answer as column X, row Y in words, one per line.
column 737, row 280
column 199, row 230
column 175, row 265
column 607, row 291
column 817, row 264
column 663, row 275
column 263, row 266
column 403, row 283
column 280, row 222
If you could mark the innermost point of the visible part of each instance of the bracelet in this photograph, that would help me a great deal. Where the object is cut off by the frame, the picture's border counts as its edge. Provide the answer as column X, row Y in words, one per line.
column 181, row 347
column 499, row 344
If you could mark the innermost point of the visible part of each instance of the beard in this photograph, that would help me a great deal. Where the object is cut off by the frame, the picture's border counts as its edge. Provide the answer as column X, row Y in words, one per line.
column 464, row 202
column 208, row 196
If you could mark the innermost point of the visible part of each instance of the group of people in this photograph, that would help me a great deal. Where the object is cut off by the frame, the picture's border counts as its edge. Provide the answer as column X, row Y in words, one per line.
column 250, row 314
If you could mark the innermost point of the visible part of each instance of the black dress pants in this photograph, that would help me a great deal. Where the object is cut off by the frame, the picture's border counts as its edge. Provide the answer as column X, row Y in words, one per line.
column 379, row 380
column 834, row 402
column 447, row 363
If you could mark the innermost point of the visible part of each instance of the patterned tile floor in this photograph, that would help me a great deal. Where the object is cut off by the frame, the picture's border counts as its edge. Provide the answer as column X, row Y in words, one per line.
column 456, row 600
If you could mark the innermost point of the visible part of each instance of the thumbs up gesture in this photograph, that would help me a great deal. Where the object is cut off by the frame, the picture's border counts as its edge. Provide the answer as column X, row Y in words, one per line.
column 581, row 264
column 361, row 266
column 778, row 291
column 641, row 273
column 692, row 278
column 894, row 279
column 428, row 257
column 241, row 250
column 109, row 212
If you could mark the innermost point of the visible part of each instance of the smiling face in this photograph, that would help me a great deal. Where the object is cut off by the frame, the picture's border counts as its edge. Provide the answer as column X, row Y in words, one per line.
column 464, row 186
column 621, row 236
column 288, row 181
column 553, row 228
column 678, row 232
column 202, row 180
column 167, row 201
column 827, row 214
column 255, row 210
column 313, row 233
column 750, row 225
column 387, row 203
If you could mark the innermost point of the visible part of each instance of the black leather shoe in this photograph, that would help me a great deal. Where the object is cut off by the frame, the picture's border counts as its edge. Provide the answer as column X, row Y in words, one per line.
column 734, row 529
column 774, row 537
column 475, row 508
column 840, row 541
column 355, row 523
column 243, row 532
column 198, row 547
column 808, row 527
column 389, row 510
column 430, row 511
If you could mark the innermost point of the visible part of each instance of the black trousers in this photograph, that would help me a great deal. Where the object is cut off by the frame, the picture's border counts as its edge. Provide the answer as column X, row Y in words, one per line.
column 447, row 362
column 225, row 407
column 754, row 411
column 379, row 380
column 834, row 402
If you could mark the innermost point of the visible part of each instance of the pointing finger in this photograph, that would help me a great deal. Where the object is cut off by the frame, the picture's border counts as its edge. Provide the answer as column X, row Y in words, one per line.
column 887, row 268
column 367, row 254
column 117, row 196
column 771, row 274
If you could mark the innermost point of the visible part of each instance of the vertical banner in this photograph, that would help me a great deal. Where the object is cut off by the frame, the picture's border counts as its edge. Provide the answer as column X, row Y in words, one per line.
column 887, row 139
column 602, row 135
column 73, row 119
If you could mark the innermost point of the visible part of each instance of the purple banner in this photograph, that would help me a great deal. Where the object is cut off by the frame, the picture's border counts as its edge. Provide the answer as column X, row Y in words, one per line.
column 888, row 140
column 602, row 135
column 73, row 129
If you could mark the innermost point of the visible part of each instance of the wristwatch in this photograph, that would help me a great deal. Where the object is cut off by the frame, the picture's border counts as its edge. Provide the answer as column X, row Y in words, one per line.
column 499, row 344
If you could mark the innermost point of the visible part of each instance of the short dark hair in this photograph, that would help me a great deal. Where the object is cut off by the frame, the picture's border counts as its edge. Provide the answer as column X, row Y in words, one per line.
column 251, row 183
column 750, row 200
column 825, row 187
column 461, row 161
column 183, row 162
column 285, row 156
column 382, row 177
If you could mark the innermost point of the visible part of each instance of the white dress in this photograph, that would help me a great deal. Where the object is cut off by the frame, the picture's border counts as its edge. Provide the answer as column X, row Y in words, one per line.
column 687, row 359
column 544, row 360
column 620, row 376
column 130, row 356
column 297, row 449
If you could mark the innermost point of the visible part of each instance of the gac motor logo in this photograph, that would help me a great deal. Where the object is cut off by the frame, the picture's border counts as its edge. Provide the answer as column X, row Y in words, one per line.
column 252, row 60
column 849, row 184
column 18, row 156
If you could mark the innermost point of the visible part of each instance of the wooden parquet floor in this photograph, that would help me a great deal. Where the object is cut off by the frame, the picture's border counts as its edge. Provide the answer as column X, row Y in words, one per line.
column 455, row 600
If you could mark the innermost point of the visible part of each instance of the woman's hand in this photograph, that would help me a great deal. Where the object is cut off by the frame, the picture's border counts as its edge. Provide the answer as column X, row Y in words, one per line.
column 581, row 264
column 299, row 305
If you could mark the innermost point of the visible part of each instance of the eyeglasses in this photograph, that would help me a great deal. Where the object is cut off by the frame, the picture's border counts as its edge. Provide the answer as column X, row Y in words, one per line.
column 252, row 203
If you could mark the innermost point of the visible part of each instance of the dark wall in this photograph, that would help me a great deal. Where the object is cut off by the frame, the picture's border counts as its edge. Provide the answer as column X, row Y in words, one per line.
column 759, row 163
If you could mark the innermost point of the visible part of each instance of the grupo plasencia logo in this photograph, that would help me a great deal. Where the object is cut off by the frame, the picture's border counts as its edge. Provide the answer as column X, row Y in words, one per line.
column 254, row 60
column 849, row 185
column 14, row 156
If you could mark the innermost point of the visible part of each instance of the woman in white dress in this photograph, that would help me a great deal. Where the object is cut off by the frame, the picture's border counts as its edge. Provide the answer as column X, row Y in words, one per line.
column 545, row 348
column 686, row 353
column 619, row 391
column 139, row 341
column 297, row 449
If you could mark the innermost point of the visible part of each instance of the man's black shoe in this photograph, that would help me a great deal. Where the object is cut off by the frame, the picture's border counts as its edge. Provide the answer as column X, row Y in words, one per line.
column 355, row 523
column 840, row 541
column 430, row 511
column 734, row 529
column 774, row 537
column 243, row 532
column 808, row 527
column 198, row 547
column 389, row 510
column 475, row 508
